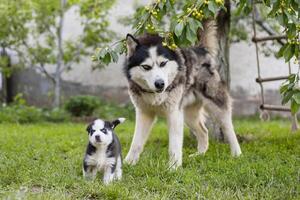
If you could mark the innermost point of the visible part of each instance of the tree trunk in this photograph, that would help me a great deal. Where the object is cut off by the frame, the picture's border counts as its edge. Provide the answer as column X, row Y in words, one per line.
column 8, row 79
column 223, row 29
column 59, row 62
column 223, row 23
column 56, row 102
column 9, row 86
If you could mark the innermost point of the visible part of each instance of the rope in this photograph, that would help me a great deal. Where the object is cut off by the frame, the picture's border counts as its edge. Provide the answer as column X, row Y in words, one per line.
column 257, row 56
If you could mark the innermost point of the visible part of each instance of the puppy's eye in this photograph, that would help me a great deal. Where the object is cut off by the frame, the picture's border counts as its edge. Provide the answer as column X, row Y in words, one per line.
column 162, row 64
column 146, row 67
column 104, row 131
column 92, row 131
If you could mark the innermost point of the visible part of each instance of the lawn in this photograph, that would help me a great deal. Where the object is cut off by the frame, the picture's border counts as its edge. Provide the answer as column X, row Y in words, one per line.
column 43, row 161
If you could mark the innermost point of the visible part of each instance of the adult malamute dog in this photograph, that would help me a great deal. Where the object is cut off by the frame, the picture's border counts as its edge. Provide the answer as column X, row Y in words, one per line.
column 181, row 85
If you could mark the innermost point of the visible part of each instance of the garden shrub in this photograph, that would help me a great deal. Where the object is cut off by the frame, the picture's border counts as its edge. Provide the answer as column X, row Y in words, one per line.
column 20, row 114
column 110, row 111
column 78, row 106
column 56, row 115
column 82, row 105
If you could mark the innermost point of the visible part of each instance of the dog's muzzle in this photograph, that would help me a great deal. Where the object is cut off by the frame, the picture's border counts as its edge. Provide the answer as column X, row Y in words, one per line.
column 159, row 85
column 97, row 138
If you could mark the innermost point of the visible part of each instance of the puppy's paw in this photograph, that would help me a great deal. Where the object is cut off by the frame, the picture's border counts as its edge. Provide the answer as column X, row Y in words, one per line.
column 107, row 181
column 89, row 178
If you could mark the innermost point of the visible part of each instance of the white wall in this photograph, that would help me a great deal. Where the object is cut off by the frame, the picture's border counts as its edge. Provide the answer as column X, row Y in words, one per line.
column 244, row 68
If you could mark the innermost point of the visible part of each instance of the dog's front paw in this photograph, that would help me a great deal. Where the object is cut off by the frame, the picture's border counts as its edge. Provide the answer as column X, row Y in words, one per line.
column 236, row 152
column 131, row 159
column 174, row 164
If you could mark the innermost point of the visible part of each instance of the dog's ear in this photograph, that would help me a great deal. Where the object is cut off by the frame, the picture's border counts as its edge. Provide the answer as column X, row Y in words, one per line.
column 132, row 43
column 117, row 122
column 89, row 128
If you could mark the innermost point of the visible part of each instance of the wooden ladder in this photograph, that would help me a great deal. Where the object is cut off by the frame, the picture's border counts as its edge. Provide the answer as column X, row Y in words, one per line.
column 266, row 107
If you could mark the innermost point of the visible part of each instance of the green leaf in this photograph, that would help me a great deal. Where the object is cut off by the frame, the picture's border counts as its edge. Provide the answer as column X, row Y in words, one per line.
column 114, row 56
column 106, row 59
column 213, row 7
column 102, row 53
column 283, row 89
column 297, row 50
column 178, row 29
column 291, row 30
column 287, row 54
column 291, row 86
column 285, row 18
column 292, row 78
column 194, row 25
column 191, row 36
column 282, row 49
column 240, row 6
column 294, row 107
column 296, row 97
column 275, row 8
column 287, row 96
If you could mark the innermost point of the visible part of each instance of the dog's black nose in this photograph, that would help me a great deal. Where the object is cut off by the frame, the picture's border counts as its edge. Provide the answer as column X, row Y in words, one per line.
column 97, row 137
column 159, row 84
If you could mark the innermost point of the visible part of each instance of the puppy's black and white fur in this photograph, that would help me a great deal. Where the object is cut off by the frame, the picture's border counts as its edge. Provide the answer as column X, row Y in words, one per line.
column 103, row 152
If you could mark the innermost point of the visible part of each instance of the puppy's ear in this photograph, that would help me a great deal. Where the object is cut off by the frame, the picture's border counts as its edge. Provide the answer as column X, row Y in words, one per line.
column 117, row 122
column 89, row 127
column 132, row 43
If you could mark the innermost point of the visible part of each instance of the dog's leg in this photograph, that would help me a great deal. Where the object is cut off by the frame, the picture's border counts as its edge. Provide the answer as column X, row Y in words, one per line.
column 195, row 121
column 224, row 118
column 108, row 176
column 90, row 173
column 175, row 125
column 227, row 128
column 118, row 172
column 144, row 121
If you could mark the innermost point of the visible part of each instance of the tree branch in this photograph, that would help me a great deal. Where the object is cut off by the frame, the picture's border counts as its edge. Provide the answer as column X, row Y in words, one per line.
column 41, row 66
column 265, row 26
column 43, row 69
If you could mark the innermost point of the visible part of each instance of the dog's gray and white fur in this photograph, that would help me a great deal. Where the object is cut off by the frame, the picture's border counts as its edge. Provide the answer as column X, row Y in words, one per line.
column 181, row 85
column 103, row 152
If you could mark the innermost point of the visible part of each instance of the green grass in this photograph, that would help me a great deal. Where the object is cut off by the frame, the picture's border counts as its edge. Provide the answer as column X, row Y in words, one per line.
column 43, row 161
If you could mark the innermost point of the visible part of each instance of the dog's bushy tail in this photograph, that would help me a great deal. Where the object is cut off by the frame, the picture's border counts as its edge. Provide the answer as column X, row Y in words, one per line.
column 208, row 37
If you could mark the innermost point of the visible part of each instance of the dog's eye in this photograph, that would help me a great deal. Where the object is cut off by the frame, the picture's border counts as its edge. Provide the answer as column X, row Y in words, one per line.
column 104, row 131
column 146, row 67
column 162, row 64
column 92, row 131
column 207, row 65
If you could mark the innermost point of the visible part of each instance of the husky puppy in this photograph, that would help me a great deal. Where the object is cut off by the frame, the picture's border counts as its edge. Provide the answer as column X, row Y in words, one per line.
column 180, row 85
column 103, row 152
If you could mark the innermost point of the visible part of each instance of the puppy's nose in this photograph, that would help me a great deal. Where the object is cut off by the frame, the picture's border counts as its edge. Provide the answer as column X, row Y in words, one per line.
column 159, row 84
column 97, row 137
